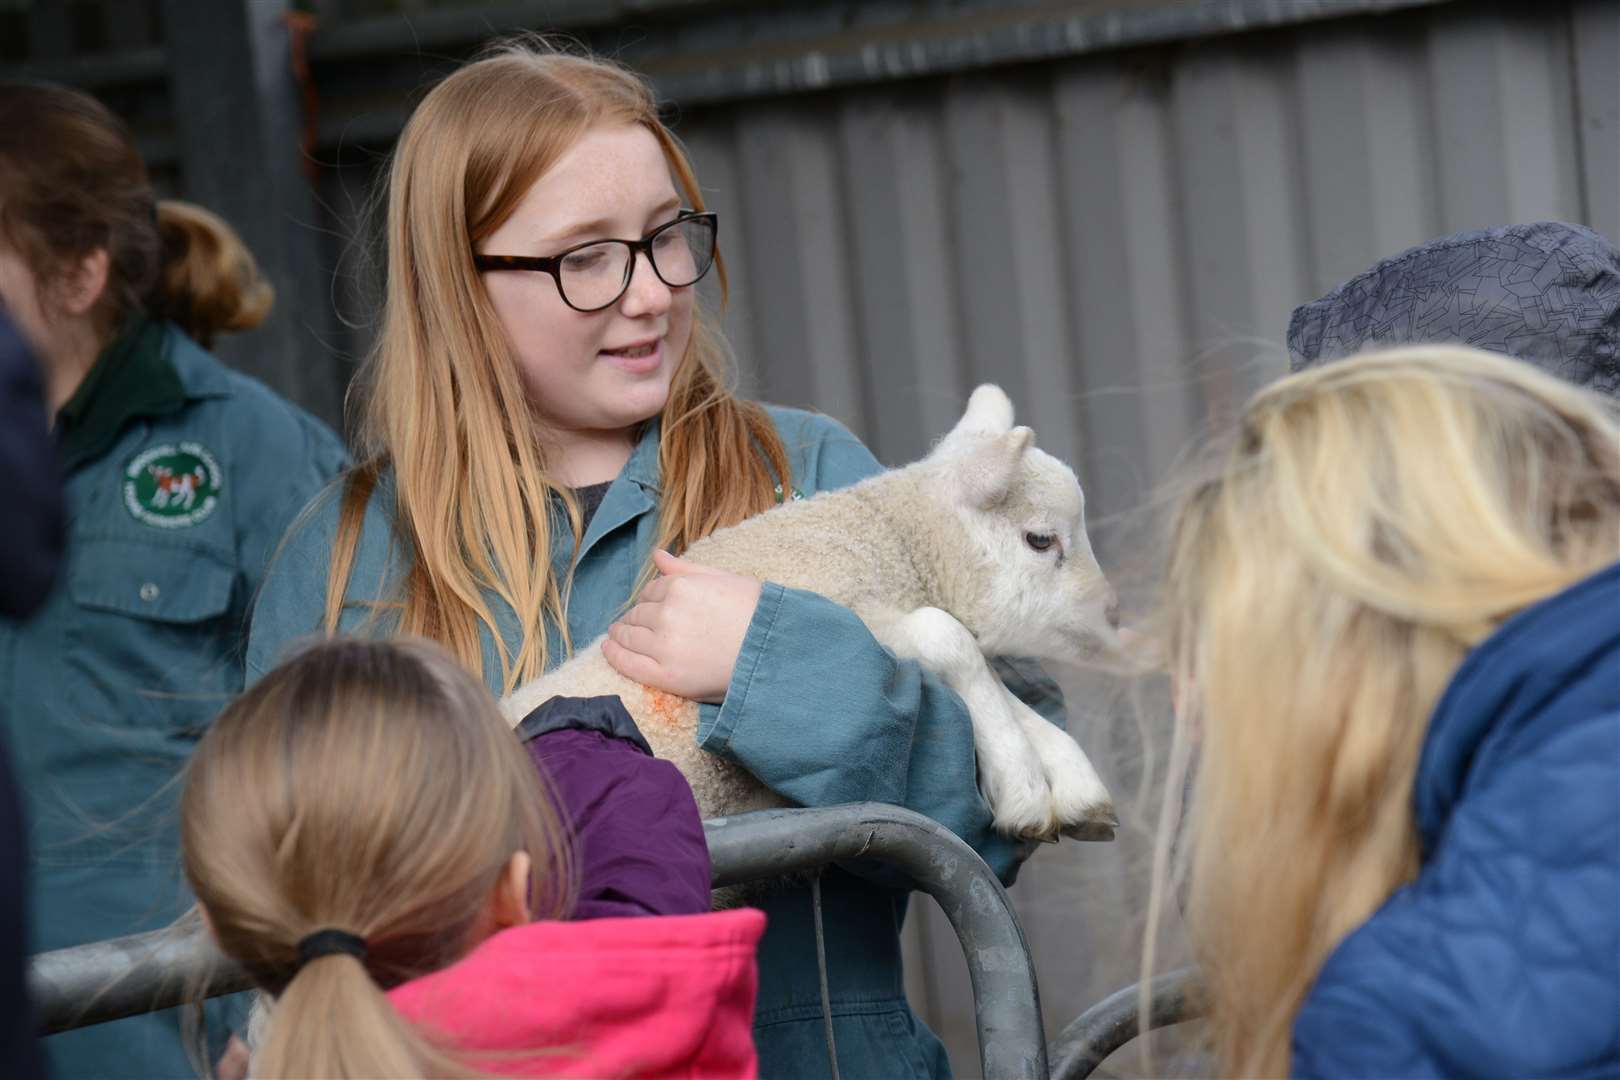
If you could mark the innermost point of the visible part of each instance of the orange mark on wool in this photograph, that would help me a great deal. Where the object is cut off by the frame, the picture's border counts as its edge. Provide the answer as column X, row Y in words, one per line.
column 665, row 708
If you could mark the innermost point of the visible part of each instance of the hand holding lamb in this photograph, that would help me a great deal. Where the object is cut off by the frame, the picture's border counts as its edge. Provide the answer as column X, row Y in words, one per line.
column 978, row 550
column 686, row 630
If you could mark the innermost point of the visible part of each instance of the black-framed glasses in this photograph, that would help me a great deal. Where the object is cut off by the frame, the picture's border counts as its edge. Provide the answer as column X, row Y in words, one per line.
column 593, row 275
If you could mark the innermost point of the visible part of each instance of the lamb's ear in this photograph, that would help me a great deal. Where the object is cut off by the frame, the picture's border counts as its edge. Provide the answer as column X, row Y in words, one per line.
column 984, row 473
column 989, row 412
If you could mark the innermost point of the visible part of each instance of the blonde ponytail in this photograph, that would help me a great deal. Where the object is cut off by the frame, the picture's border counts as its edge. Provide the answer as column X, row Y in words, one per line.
column 333, row 1020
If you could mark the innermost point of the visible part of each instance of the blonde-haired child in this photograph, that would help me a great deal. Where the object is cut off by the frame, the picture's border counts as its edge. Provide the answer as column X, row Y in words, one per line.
column 369, row 839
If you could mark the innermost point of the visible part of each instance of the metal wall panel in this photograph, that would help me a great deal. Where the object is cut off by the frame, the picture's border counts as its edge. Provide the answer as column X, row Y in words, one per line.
column 1100, row 232
column 1119, row 240
column 1367, row 141
column 905, row 251
column 1596, row 34
column 1127, row 292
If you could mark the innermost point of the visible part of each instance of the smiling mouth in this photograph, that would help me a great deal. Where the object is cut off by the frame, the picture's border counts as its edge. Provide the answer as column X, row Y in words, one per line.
column 634, row 352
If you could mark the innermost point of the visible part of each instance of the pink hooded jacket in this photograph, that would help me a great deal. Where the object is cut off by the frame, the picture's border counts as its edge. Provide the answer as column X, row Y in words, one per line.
column 671, row 996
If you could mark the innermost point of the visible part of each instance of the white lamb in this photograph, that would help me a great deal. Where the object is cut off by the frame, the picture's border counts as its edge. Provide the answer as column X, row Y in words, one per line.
column 978, row 550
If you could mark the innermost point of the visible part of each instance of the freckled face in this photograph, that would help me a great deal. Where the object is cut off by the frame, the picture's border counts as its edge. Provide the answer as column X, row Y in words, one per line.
column 601, row 371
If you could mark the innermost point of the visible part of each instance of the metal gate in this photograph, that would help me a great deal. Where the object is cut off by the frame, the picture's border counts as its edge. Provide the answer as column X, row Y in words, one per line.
column 108, row 980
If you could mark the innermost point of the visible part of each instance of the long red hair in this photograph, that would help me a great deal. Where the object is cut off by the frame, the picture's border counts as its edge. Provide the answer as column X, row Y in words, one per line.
column 441, row 403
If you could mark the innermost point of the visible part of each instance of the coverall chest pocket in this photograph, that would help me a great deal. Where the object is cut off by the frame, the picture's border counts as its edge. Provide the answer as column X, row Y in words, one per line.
column 156, row 619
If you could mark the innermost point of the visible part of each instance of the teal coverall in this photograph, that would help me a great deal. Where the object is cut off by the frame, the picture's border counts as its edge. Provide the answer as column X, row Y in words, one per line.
column 181, row 476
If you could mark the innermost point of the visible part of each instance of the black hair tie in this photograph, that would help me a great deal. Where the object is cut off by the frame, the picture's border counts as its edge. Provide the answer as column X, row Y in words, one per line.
column 328, row 943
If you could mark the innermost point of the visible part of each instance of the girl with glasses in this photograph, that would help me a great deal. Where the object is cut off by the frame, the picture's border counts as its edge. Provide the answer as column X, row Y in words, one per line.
column 545, row 423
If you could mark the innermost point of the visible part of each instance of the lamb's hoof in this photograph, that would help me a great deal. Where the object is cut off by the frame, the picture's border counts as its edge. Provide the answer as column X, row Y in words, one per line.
column 1020, row 803
column 1047, row 834
column 1091, row 830
column 1096, row 822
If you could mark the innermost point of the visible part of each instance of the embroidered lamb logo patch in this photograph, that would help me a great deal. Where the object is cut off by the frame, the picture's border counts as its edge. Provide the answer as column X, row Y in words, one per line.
column 172, row 486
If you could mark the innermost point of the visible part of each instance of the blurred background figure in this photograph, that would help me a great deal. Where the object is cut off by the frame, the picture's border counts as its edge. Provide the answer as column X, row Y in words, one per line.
column 31, row 543
column 30, row 554
column 181, row 476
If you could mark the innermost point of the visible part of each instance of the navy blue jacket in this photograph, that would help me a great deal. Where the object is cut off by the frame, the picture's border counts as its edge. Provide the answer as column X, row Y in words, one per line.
column 1503, row 957
column 31, row 544
column 1547, row 293
column 30, row 554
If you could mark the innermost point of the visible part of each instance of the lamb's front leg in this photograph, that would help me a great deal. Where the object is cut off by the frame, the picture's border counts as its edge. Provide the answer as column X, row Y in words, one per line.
column 1011, row 776
column 1084, row 809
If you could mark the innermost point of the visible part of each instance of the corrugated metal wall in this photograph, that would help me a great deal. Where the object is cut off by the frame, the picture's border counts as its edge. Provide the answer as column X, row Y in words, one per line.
column 1118, row 240
column 1083, row 229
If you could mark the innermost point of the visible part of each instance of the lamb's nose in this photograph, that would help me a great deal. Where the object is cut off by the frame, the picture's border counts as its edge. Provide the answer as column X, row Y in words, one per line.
column 1112, row 609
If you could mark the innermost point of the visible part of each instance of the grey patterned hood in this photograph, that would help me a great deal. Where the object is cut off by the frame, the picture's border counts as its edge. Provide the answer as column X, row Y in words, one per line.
column 1547, row 292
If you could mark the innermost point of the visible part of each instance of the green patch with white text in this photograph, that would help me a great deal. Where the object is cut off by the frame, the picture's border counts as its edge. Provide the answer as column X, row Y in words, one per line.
column 172, row 485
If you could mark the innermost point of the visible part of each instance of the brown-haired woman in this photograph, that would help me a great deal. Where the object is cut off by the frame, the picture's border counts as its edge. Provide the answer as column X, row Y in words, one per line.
column 181, row 476
column 369, row 841
column 545, row 410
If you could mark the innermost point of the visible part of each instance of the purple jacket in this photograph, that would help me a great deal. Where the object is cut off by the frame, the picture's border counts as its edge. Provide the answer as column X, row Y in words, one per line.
column 639, row 847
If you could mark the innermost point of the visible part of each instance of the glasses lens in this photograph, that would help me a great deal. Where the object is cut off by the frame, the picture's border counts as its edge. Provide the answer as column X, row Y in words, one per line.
column 593, row 277
column 683, row 251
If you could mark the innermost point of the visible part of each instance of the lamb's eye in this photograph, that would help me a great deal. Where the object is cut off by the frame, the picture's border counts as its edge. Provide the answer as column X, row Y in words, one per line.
column 1040, row 541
